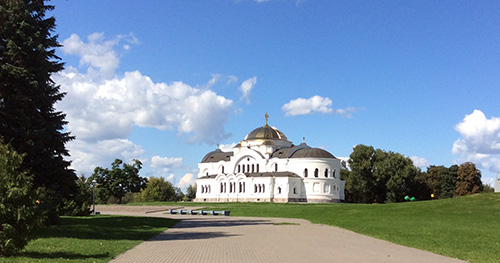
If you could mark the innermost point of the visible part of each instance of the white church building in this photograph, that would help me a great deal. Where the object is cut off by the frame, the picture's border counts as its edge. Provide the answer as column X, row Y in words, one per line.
column 267, row 167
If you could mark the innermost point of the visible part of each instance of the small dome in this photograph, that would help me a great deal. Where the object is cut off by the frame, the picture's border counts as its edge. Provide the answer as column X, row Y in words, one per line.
column 216, row 156
column 312, row 153
column 266, row 132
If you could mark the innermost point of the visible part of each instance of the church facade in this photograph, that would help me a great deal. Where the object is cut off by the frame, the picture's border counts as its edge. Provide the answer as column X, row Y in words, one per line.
column 266, row 167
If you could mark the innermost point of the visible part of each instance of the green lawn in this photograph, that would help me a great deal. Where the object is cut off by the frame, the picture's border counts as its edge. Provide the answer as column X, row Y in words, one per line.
column 466, row 227
column 90, row 239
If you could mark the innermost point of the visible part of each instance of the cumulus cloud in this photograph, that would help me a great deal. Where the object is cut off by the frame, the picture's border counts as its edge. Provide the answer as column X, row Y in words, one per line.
column 246, row 88
column 186, row 180
column 88, row 155
column 102, row 108
column 315, row 104
column 98, row 54
column 420, row 161
column 165, row 164
column 480, row 140
column 303, row 106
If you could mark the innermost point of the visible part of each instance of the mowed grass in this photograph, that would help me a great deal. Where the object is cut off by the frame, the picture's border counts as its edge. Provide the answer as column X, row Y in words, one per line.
column 467, row 227
column 90, row 239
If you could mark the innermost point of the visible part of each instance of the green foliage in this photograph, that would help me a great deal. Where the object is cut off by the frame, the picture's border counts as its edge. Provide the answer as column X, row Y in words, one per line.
column 80, row 205
column 488, row 189
column 377, row 176
column 119, row 180
column 468, row 180
column 191, row 192
column 90, row 239
column 18, row 208
column 28, row 119
column 442, row 180
column 158, row 190
column 448, row 182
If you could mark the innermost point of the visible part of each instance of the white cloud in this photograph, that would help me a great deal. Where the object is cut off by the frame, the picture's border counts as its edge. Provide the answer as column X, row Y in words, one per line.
column 246, row 88
column 98, row 54
column 347, row 112
column 303, row 106
column 165, row 164
column 420, row 161
column 102, row 108
column 170, row 177
column 480, row 140
column 227, row 147
column 88, row 155
column 231, row 79
column 186, row 180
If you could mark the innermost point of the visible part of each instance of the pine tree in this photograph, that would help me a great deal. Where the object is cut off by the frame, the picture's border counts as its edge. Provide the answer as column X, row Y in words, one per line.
column 18, row 213
column 28, row 119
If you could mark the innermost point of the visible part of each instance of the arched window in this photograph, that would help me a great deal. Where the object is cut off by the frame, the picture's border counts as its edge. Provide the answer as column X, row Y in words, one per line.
column 222, row 169
column 209, row 190
column 263, row 188
column 305, row 172
column 221, row 187
column 239, row 168
column 248, row 168
column 279, row 190
column 255, row 191
column 257, row 168
column 326, row 173
column 316, row 172
column 225, row 187
column 295, row 190
column 243, row 187
column 207, row 174
column 275, row 167
column 253, row 168
column 260, row 188
column 333, row 173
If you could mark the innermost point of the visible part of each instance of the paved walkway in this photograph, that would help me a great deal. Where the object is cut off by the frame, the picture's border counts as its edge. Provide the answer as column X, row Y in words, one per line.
column 250, row 239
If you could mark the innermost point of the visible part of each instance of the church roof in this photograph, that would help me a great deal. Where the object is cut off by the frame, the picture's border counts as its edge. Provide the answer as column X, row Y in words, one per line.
column 301, row 151
column 266, row 132
column 312, row 153
column 216, row 156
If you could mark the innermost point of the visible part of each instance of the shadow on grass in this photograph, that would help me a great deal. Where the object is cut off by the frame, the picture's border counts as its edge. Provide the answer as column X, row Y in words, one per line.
column 63, row 255
column 107, row 227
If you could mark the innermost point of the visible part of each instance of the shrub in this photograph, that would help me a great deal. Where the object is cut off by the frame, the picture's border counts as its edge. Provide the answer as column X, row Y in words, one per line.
column 18, row 211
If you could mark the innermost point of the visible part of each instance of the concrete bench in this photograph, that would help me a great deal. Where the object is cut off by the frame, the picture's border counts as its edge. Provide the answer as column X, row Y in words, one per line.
column 198, row 212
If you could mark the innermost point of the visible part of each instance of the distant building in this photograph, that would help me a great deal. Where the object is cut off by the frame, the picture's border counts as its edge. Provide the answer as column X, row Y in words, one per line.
column 497, row 184
column 267, row 167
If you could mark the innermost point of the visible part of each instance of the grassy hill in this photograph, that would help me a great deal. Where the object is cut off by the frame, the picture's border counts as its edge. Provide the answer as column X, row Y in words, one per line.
column 467, row 227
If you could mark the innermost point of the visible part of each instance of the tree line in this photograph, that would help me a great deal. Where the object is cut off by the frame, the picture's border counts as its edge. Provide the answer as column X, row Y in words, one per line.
column 123, row 184
column 377, row 176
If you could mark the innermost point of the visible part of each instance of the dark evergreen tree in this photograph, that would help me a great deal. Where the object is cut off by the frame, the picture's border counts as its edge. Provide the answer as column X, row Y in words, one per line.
column 448, row 182
column 18, row 208
column 28, row 119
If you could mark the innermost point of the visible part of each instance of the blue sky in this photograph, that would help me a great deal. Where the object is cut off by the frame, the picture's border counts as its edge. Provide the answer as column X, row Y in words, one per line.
column 166, row 81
